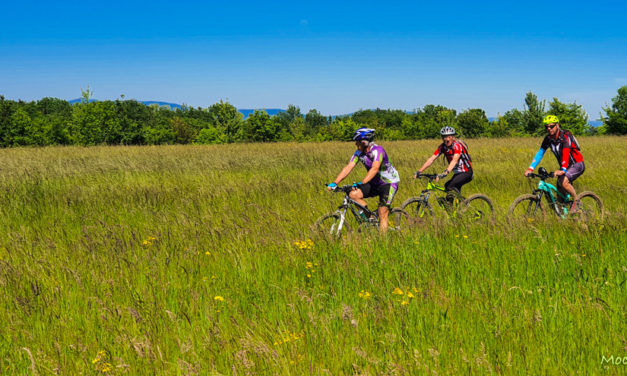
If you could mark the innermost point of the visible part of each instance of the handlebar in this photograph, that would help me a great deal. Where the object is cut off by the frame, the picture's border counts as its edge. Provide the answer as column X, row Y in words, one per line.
column 542, row 175
column 344, row 188
column 428, row 176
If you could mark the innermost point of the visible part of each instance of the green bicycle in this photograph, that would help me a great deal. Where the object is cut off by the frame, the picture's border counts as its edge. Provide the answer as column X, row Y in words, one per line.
column 477, row 207
column 589, row 205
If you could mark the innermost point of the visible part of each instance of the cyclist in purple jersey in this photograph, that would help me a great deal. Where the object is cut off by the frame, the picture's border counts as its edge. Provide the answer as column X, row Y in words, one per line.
column 381, row 179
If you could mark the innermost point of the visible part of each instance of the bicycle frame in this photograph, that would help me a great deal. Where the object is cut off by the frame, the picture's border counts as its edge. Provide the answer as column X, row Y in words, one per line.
column 426, row 193
column 354, row 206
column 552, row 194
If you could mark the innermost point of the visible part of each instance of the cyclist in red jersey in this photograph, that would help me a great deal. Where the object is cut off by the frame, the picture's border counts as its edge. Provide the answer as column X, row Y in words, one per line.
column 459, row 160
column 568, row 153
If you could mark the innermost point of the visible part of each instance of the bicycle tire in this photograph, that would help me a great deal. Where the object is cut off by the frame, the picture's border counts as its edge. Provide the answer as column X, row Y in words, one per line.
column 533, row 205
column 327, row 226
column 590, row 206
column 399, row 219
column 417, row 208
column 477, row 207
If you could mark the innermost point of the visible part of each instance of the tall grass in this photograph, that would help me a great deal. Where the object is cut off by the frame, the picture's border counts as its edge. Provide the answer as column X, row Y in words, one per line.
column 196, row 260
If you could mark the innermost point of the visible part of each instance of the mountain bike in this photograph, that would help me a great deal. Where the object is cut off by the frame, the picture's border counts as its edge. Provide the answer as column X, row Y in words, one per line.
column 477, row 207
column 336, row 223
column 588, row 206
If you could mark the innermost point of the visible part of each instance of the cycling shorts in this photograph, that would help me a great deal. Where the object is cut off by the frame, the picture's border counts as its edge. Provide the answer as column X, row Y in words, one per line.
column 386, row 192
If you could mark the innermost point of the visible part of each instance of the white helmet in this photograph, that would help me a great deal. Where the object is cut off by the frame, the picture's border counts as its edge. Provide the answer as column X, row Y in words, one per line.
column 448, row 131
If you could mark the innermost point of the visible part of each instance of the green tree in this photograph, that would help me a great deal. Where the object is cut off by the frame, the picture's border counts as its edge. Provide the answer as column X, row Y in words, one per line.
column 297, row 129
column 615, row 121
column 571, row 115
column 533, row 114
column 226, row 119
column 472, row 122
column 260, row 127
column 314, row 120
column 209, row 136
column 18, row 129
column 93, row 122
column 285, row 119
column 341, row 129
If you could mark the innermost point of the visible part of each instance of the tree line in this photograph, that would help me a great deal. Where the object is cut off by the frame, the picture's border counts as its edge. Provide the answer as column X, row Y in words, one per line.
column 53, row 121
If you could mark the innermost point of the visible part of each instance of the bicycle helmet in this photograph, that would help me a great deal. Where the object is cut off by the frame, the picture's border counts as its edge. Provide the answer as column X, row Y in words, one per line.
column 364, row 134
column 448, row 131
column 550, row 119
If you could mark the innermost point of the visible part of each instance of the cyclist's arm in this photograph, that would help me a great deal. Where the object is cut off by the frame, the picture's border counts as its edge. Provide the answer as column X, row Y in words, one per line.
column 428, row 163
column 454, row 161
column 536, row 159
column 372, row 172
column 345, row 171
column 566, row 149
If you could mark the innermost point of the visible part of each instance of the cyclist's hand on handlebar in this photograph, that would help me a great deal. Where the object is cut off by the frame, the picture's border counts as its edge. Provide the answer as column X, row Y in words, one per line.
column 528, row 172
column 558, row 173
column 357, row 185
column 441, row 176
column 417, row 174
column 331, row 186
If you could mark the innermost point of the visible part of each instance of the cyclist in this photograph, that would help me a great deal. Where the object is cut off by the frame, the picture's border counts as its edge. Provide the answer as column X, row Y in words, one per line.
column 380, row 180
column 568, row 153
column 459, row 162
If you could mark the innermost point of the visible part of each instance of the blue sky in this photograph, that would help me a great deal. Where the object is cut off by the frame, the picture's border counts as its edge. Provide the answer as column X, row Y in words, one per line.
column 336, row 58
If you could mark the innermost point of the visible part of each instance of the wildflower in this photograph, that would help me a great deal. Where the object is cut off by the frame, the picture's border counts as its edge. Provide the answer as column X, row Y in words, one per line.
column 218, row 298
column 207, row 253
column 465, row 236
column 304, row 245
column 404, row 302
column 364, row 294
column 309, row 265
column 410, row 295
column 397, row 291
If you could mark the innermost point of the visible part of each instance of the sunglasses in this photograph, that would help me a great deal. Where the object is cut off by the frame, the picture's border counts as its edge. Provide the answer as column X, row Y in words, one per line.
column 550, row 126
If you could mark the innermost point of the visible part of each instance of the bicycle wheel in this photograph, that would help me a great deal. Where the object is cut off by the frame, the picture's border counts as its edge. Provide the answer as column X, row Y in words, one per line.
column 331, row 225
column 398, row 219
column 417, row 208
column 477, row 208
column 527, row 207
column 589, row 207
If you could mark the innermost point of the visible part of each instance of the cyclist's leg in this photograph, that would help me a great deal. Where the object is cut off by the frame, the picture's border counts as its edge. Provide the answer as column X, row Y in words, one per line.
column 386, row 196
column 564, row 182
column 456, row 183
column 364, row 191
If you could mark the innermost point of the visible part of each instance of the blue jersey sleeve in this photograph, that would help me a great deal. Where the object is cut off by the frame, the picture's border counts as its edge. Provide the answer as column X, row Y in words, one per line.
column 537, row 158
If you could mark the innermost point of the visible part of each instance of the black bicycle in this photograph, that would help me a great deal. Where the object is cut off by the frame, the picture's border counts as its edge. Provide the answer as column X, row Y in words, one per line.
column 335, row 223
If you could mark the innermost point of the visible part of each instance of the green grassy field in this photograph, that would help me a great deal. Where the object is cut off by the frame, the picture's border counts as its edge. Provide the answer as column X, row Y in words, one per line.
column 202, row 260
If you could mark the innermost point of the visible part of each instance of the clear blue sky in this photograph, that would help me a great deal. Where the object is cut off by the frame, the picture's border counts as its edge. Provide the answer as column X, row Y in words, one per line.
column 332, row 56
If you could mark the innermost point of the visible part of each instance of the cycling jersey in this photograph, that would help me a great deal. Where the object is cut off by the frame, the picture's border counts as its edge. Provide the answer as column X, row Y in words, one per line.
column 387, row 174
column 565, row 148
column 464, row 164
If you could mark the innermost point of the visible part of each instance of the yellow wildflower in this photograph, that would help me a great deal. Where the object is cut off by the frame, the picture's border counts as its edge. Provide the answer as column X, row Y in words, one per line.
column 218, row 298
column 397, row 291
column 207, row 253
column 404, row 302
column 410, row 295
column 364, row 294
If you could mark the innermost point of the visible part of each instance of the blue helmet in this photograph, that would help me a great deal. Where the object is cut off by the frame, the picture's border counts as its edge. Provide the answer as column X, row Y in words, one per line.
column 364, row 134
